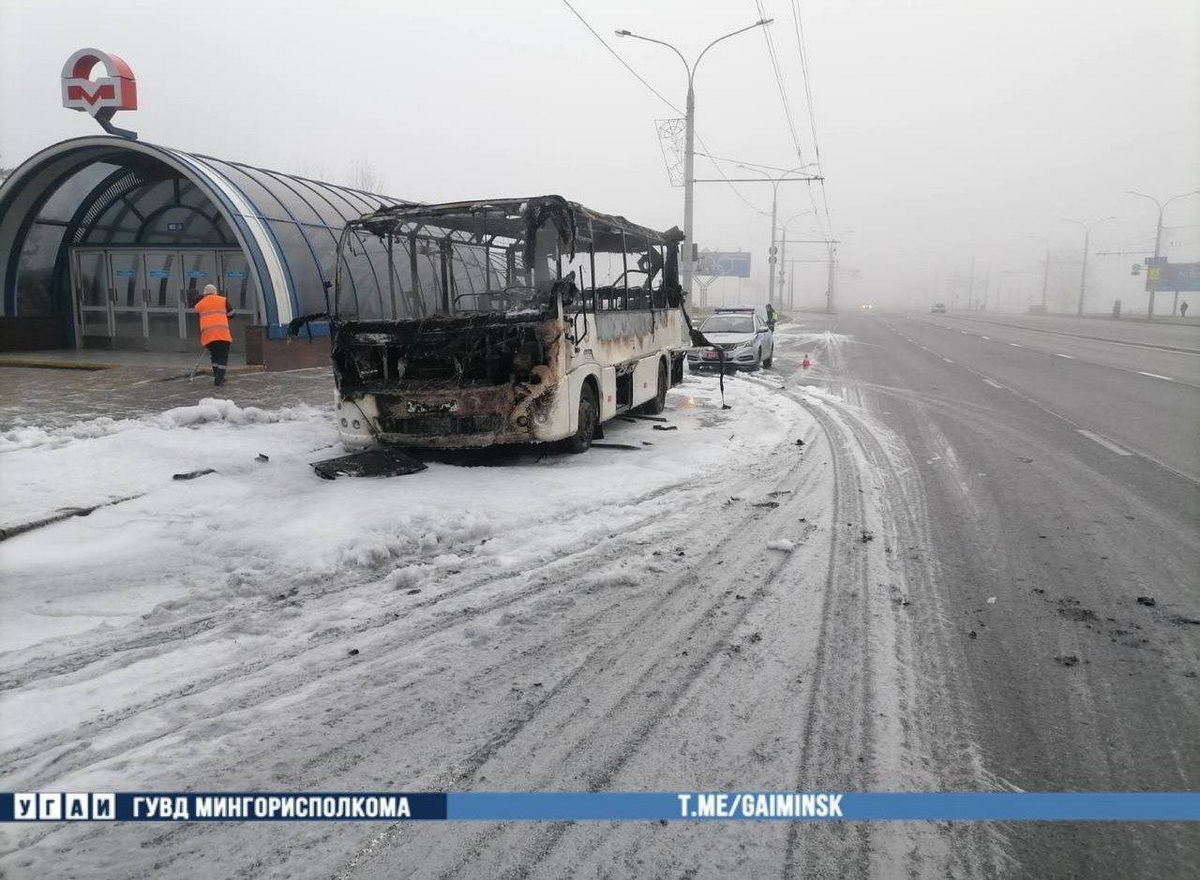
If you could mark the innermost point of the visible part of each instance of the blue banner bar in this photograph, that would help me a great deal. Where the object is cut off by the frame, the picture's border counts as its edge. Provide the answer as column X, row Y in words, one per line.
column 825, row 806
column 599, row 806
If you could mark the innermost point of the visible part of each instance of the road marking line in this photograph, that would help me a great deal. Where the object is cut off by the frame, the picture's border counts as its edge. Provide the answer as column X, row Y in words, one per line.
column 993, row 384
column 1107, row 444
column 1067, row 356
column 947, row 360
column 1155, row 376
column 1016, row 345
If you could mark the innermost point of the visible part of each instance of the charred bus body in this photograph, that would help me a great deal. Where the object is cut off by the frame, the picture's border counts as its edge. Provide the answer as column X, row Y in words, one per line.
column 507, row 321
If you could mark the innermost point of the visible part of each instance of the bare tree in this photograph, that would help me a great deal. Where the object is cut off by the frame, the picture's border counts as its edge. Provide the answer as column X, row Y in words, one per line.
column 312, row 170
column 365, row 176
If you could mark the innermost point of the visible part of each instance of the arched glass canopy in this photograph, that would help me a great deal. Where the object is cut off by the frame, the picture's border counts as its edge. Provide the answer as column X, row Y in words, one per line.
column 117, row 196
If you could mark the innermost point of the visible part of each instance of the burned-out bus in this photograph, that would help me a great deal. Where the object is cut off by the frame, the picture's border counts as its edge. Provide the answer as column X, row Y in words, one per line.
column 509, row 321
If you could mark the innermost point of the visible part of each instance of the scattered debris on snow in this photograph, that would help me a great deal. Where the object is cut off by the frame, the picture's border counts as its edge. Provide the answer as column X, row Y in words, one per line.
column 191, row 475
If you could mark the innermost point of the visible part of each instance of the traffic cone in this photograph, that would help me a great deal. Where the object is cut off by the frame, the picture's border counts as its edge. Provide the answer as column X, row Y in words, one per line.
column 806, row 363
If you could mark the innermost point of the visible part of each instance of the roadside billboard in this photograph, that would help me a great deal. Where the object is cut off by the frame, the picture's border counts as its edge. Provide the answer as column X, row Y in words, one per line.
column 1173, row 276
column 724, row 264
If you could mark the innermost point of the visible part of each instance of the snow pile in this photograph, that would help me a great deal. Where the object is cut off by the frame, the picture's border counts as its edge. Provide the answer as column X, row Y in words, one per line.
column 207, row 410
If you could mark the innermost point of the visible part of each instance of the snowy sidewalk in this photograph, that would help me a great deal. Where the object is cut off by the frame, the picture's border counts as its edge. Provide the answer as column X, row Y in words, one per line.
column 56, row 399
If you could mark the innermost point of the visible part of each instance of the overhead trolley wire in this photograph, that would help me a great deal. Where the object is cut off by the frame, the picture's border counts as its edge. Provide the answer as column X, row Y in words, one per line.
column 787, row 107
column 812, row 119
column 801, row 48
column 613, row 51
column 660, row 96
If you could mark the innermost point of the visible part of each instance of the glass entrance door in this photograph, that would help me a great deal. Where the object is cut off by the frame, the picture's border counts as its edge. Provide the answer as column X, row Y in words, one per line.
column 164, row 312
column 237, row 283
column 92, row 294
column 199, row 268
column 128, row 294
column 144, row 297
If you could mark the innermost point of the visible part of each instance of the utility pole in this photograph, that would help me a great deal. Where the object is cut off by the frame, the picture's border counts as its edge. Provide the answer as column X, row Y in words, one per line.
column 772, row 255
column 1151, row 287
column 689, row 159
column 1046, row 280
column 783, row 253
column 1087, row 234
column 829, row 294
column 831, row 244
column 775, row 253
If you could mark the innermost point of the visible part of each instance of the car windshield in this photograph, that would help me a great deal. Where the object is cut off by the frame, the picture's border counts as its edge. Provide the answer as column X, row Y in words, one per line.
column 728, row 324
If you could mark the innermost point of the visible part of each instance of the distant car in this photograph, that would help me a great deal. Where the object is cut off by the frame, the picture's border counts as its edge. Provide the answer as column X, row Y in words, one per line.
column 867, row 307
column 938, row 309
column 745, row 337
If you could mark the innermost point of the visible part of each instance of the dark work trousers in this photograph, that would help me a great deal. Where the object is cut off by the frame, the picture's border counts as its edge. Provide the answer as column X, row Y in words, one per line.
column 219, row 352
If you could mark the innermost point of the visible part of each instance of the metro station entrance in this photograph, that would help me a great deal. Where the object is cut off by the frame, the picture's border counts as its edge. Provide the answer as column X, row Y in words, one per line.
column 141, row 298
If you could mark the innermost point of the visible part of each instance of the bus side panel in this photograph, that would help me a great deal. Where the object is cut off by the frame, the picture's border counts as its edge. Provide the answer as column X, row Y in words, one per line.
column 608, row 393
column 645, row 379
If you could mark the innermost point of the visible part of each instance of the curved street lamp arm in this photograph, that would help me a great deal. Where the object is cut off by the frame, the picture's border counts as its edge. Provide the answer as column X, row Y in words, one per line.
column 762, row 22
column 1181, row 196
column 661, row 43
column 1131, row 192
column 795, row 216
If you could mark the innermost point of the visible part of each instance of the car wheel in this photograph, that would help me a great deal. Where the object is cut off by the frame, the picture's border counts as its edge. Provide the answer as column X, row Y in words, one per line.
column 770, row 359
column 658, row 403
column 589, row 418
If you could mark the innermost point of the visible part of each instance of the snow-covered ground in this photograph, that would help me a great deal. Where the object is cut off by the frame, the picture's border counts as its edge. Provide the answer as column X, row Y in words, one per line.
column 252, row 526
column 673, row 616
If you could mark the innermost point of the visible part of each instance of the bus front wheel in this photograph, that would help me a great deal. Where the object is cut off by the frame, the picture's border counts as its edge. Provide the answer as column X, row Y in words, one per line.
column 589, row 418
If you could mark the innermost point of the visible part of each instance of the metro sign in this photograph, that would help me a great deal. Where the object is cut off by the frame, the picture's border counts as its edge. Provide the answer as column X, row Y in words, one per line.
column 101, row 97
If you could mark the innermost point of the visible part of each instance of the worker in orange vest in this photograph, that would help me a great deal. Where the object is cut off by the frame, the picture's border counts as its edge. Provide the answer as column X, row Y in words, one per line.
column 214, row 311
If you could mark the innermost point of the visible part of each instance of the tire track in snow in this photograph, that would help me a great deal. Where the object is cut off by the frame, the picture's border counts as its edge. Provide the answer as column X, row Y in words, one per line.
column 658, row 658
column 588, row 553
column 579, row 559
column 906, row 719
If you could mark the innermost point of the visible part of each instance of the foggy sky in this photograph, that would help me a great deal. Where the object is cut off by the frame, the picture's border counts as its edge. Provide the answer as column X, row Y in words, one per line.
column 948, row 130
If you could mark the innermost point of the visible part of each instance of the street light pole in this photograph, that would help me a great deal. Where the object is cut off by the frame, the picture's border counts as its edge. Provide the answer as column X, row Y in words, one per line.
column 771, row 257
column 783, row 270
column 1162, row 206
column 1045, row 279
column 1087, row 234
column 689, row 159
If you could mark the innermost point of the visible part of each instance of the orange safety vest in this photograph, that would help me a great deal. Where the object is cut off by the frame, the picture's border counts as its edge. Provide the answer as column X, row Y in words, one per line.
column 214, row 319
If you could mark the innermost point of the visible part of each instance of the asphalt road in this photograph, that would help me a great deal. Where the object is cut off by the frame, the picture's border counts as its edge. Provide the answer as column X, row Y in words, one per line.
column 973, row 513
column 1059, row 463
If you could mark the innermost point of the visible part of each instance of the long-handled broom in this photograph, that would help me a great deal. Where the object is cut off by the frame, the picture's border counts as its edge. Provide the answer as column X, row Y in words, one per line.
column 196, row 366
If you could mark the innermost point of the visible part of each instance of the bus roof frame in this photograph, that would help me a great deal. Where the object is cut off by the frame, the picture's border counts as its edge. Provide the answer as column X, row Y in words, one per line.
column 515, row 219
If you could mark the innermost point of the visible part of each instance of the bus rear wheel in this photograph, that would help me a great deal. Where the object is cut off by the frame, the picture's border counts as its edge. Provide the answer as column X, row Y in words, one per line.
column 589, row 418
column 658, row 402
